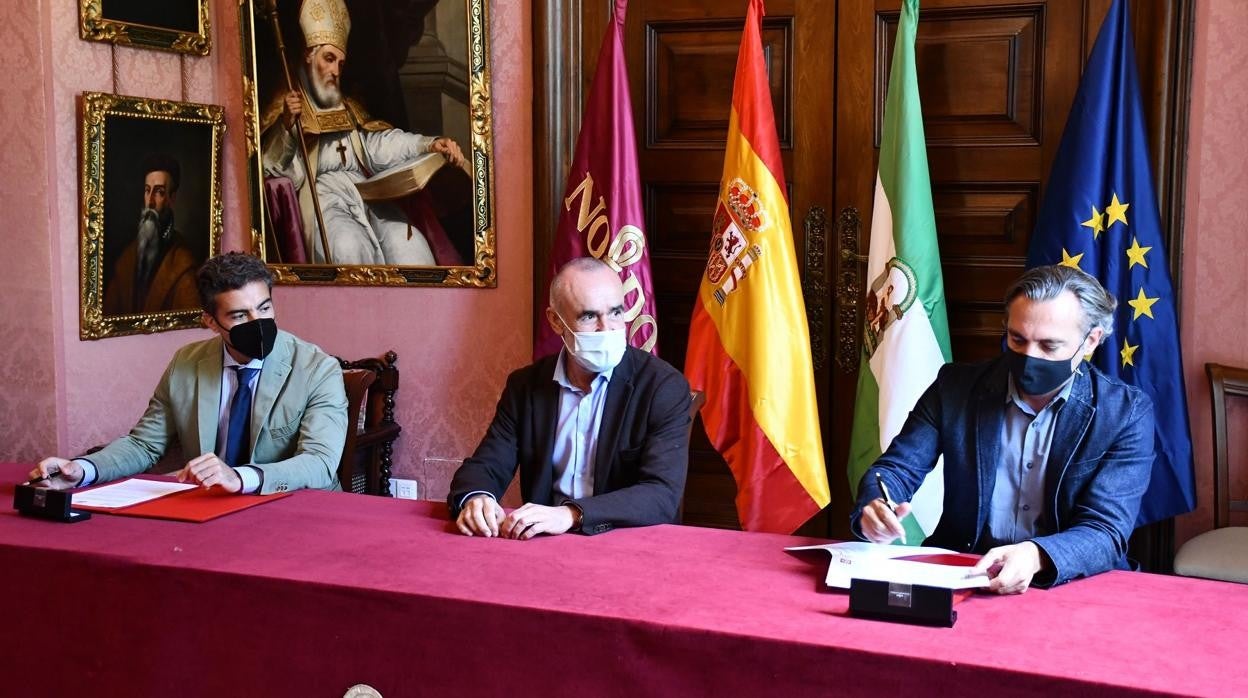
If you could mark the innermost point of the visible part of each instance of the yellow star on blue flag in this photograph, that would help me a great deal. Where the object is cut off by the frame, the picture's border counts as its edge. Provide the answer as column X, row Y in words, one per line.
column 1135, row 254
column 1128, row 354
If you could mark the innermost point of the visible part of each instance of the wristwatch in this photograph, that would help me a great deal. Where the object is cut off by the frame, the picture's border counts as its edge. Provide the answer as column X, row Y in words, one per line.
column 577, row 516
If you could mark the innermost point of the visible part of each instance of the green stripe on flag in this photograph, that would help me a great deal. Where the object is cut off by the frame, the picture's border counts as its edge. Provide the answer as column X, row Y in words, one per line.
column 864, row 441
column 903, row 172
column 907, row 360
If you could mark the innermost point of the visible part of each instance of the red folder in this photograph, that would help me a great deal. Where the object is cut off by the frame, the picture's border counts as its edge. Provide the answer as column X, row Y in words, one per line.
column 197, row 505
column 955, row 559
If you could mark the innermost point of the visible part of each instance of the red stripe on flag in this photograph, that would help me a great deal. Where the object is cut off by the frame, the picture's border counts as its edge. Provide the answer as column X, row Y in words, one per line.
column 751, row 96
column 769, row 496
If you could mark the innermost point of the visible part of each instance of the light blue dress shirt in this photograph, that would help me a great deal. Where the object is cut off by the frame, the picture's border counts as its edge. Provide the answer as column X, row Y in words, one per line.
column 576, row 434
column 1018, row 496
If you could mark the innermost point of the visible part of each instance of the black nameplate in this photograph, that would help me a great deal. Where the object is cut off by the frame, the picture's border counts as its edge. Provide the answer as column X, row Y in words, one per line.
column 44, row 503
column 905, row 603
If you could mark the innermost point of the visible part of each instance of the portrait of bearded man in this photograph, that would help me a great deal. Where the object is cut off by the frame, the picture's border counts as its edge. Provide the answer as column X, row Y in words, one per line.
column 155, row 272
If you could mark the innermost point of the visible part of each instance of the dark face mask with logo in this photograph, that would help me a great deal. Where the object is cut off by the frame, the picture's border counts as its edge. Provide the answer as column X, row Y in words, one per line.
column 1036, row 376
column 255, row 338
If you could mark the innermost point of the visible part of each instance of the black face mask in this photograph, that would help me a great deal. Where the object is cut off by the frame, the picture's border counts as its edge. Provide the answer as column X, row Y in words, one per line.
column 1036, row 376
column 255, row 338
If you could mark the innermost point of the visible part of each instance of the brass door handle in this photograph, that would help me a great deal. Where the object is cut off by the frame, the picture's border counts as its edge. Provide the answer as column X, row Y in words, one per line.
column 814, row 283
column 848, row 289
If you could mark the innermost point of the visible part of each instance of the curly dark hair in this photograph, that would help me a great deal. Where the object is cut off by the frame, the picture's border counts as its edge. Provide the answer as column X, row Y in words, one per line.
column 228, row 272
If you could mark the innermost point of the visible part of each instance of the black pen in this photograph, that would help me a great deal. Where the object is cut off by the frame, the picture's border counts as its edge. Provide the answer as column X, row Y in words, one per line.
column 42, row 478
column 888, row 500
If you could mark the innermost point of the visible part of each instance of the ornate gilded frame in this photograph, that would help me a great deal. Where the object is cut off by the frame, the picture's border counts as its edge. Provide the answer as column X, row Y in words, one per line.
column 99, row 111
column 481, row 269
column 94, row 26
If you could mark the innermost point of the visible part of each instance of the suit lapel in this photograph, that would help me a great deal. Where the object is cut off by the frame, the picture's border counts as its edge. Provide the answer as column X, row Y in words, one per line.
column 619, row 393
column 546, row 413
column 208, row 400
column 1072, row 424
column 989, row 417
column 272, row 378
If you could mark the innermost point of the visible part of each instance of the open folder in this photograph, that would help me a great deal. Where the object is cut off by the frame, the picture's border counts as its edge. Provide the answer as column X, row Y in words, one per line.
column 926, row 566
column 165, row 499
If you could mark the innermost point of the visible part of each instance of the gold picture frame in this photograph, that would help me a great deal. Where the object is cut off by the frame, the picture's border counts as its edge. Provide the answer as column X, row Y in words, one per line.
column 181, row 26
column 146, row 164
column 411, row 68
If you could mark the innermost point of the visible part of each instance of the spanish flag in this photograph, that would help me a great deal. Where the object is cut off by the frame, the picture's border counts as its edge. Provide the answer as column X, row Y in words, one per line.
column 749, row 347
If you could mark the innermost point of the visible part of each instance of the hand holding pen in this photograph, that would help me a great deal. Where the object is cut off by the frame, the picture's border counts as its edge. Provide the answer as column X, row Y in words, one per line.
column 881, row 518
column 888, row 499
column 56, row 473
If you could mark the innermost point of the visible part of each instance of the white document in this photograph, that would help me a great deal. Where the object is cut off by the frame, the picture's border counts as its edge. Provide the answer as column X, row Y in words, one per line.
column 859, row 560
column 127, row 492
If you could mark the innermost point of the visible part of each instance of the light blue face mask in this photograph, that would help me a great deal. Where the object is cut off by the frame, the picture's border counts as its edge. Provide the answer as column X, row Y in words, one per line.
column 596, row 352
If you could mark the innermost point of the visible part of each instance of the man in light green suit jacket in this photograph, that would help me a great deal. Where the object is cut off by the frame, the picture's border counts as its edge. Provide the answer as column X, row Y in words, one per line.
column 265, row 410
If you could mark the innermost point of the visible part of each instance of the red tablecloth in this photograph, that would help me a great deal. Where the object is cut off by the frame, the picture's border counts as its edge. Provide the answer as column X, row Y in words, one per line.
column 309, row 595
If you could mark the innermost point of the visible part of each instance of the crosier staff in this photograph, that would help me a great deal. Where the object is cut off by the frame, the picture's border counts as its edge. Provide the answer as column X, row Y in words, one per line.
column 269, row 8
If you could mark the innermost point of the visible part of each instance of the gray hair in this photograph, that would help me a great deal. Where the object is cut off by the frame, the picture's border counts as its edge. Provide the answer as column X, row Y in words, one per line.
column 585, row 264
column 1047, row 283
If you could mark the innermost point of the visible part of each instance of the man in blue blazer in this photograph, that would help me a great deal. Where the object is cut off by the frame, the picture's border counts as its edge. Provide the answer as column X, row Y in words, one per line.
column 1045, row 457
column 599, row 431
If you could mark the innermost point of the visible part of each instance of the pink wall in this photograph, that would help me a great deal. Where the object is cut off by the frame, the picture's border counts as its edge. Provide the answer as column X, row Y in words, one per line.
column 1215, row 318
column 27, row 367
column 455, row 346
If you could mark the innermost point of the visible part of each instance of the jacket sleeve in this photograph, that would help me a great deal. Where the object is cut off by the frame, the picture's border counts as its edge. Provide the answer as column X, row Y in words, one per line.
column 1095, row 539
column 910, row 457
column 492, row 466
column 663, row 465
column 322, row 433
column 146, row 443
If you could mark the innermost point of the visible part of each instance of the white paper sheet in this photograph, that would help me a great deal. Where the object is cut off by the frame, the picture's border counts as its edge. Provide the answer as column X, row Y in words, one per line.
column 127, row 492
column 859, row 560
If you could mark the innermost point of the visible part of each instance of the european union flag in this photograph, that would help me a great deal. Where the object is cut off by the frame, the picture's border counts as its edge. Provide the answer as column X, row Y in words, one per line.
column 1100, row 215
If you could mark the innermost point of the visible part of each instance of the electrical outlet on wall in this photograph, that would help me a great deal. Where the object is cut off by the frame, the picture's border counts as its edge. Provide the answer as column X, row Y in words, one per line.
column 404, row 489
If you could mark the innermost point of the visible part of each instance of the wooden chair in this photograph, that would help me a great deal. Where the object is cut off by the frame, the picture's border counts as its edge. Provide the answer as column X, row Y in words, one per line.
column 1223, row 552
column 367, row 455
column 357, row 382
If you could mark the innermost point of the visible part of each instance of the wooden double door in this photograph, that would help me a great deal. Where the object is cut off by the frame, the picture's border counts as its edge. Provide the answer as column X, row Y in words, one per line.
column 996, row 79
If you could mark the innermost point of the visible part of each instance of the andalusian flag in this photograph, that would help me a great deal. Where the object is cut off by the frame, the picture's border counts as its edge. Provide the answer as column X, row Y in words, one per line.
column 749, row 348
column 905, row 334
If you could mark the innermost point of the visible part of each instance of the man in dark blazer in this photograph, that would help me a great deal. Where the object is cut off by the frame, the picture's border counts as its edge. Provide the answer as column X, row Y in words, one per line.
column 1046, row 458
column 599, row 430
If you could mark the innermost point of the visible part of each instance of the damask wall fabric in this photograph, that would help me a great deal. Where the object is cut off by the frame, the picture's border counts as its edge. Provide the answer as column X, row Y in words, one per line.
column 1213, row 319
